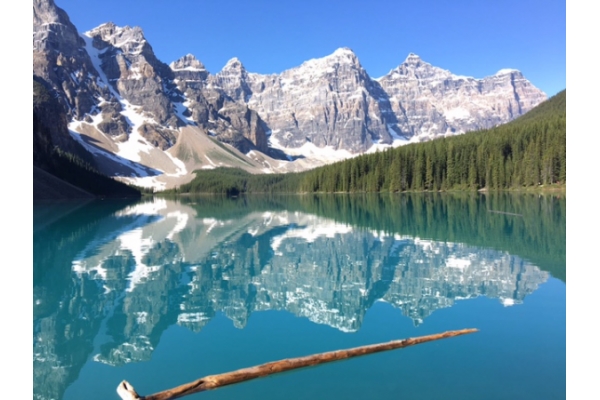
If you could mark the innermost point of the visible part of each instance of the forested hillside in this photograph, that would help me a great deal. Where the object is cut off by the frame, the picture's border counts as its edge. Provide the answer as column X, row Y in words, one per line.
column 233, row 181
column 527, row 152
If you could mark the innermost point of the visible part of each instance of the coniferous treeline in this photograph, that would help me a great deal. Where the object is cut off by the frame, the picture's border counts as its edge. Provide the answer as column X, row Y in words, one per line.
column 527, row 152
column 72, row 169
column 235, row 181
column 77, row 172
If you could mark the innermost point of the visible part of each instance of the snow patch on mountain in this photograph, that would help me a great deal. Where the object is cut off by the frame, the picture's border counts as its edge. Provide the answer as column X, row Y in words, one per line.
column 326, row 154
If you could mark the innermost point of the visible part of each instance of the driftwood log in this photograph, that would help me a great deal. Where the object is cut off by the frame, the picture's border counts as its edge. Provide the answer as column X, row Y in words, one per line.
column 127, row 392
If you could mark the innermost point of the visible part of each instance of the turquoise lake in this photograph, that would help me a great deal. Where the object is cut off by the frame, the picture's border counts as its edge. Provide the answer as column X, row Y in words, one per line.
column 161, row 292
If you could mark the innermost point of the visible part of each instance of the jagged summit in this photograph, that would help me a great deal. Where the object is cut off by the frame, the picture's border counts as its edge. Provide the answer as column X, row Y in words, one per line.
column 414, row 61
column 343, row 54
column 410, row 63
column 52, row 29
column 507, row 71
column 413, row 67
column 116, row 35
column 188, row 63
column 234, row 63
column 46, row 12
column 344, row 51
column 60, row 59
column 111, row 28
column 105, row 26
column 412, row 57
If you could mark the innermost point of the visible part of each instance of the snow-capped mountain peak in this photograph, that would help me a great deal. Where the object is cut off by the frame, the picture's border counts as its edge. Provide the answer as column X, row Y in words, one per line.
column 188, row 63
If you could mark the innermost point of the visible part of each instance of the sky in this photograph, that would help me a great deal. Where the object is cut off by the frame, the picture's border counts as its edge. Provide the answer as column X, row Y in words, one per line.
column 467, row 37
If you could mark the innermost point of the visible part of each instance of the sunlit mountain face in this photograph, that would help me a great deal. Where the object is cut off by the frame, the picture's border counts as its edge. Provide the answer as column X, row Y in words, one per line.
column 153, row 124
column 123, row 277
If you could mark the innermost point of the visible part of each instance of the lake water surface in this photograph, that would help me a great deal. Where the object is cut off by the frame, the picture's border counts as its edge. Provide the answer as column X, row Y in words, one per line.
column 162, row 292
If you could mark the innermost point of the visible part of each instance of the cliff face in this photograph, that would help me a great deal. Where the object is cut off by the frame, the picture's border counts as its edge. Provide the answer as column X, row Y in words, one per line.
column 333, row 102
column 60, row 59
column 431, row 102
column 328, row 102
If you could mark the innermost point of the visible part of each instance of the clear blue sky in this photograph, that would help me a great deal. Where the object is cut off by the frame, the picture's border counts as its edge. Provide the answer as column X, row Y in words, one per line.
column 467, row 37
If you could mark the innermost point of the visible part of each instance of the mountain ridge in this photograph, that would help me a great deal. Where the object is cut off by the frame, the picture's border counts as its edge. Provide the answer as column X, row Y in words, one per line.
column 125, row 102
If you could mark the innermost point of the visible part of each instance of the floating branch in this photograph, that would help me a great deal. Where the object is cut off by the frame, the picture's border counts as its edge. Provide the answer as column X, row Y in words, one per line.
column 127, row 392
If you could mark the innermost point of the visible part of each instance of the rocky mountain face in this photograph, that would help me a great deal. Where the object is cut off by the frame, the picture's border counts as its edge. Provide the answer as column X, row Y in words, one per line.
column 134, row 74
column 215, row 110
column 327, row 102
column 432, row 102
column 60, row 59
column 121, row 98
column 333, row 102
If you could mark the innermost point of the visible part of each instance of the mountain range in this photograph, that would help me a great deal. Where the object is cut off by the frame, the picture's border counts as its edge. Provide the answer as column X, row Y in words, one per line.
column 153, row 124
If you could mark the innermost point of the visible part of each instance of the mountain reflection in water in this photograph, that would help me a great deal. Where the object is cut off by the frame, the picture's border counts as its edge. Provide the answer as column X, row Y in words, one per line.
column 120, row 279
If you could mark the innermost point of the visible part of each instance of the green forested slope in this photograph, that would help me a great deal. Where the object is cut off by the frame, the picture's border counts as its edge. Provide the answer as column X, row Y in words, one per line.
column 234, row 181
